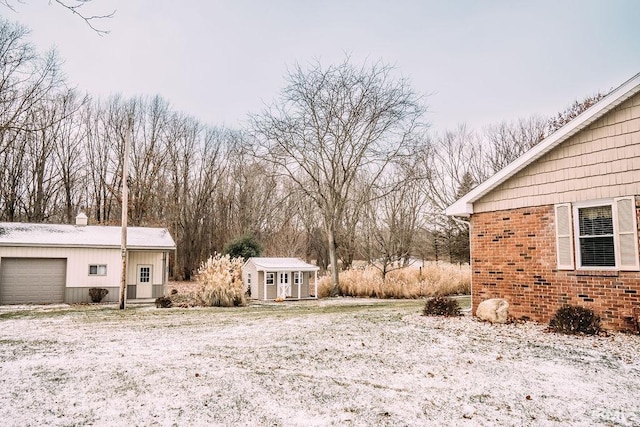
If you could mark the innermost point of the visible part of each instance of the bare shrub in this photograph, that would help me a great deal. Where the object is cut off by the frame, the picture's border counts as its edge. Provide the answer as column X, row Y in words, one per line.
column 431, row 280
column 164, row 302
column 441, row 306
column 220, row 282
column 97, row 294
column 575, row 320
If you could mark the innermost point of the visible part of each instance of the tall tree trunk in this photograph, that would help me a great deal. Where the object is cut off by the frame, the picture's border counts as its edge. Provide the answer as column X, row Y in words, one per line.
column 333, row 258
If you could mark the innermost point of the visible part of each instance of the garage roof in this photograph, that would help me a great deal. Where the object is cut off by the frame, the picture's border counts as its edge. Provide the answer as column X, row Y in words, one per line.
column 94, row 236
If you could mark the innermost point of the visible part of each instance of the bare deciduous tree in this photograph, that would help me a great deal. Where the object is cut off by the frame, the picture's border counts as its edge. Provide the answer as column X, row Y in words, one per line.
column 508, row 141
column 572, row 111
column 393, row 221
column 330, row 125
column 76, row 8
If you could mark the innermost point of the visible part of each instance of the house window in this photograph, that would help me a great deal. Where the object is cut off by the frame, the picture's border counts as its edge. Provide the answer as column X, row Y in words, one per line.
column 97, row 269
column 595, row 236
column 270, row 278
column 297, row 278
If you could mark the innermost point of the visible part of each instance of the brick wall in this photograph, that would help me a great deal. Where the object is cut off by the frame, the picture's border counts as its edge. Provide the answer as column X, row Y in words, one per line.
column 513, row 256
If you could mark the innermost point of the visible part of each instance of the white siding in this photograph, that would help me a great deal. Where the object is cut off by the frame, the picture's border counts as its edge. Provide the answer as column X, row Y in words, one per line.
column 602, row 161
column 78, row 260
column 256, row 286
column 144, row 258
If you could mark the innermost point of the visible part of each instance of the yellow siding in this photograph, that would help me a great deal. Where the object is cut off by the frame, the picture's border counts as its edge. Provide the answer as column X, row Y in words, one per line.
column 602, row 161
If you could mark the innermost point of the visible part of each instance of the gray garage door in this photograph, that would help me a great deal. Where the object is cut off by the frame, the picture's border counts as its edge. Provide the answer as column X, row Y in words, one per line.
column 32, row 280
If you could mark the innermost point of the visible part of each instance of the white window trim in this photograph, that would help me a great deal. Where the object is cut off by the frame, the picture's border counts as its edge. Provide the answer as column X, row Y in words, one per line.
column 266, row 278
column 616, row 234
column 297, row 277
column 576, row 233
column 97, row 269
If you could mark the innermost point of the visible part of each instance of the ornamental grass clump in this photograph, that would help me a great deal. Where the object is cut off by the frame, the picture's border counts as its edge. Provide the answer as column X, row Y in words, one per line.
column 441, row 306
column 220, row 282
column 575, row 320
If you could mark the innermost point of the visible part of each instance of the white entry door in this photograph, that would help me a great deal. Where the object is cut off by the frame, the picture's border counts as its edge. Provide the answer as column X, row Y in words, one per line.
column 284, row 286
column 144, row 285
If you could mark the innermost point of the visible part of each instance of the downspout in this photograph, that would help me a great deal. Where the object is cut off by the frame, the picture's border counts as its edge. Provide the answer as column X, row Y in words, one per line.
column 165, row 267
column 468, row 224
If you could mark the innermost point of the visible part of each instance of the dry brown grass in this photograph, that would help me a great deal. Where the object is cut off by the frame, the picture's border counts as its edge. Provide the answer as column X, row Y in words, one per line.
column 432, row 280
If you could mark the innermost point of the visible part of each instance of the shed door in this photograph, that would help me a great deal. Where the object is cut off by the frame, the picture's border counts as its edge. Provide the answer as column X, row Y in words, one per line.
column 144, row 287
column 284, row 287
column 32, row 280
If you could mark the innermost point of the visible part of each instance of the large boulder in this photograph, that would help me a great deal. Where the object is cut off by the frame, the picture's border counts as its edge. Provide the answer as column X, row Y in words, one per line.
column 494, row 310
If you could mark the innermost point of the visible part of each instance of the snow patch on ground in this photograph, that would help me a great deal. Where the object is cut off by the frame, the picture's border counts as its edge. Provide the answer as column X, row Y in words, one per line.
column 327, row 362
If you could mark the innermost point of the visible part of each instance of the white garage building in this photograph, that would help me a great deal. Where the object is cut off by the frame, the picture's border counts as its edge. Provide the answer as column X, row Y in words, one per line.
column 50, row 263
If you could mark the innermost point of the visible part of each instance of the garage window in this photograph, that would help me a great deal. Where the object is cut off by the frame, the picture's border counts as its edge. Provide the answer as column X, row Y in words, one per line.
column 97, row 269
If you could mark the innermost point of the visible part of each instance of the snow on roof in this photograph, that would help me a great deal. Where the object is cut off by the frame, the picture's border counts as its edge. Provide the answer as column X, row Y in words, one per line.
column 282, row 264
column 25, row 234
column 464, row 205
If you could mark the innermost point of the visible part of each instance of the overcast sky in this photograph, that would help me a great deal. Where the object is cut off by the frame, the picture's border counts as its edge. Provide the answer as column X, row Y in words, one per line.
column 480, row 61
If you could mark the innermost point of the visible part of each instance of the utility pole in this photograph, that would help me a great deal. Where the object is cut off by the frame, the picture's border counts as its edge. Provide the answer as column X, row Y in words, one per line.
column 125, row 213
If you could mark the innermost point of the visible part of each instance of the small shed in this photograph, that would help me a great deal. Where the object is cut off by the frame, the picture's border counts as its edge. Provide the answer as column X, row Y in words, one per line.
column 271, row 278
column 52, row 263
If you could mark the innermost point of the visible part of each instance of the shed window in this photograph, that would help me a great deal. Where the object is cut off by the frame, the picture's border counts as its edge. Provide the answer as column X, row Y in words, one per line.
column 97, row 269
column 270, row 278
column 297, row 278
column 248, row 278
column 284, row 278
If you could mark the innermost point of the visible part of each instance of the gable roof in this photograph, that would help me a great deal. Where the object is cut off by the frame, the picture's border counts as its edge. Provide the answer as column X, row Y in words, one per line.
column 464, row 205
column 93, row 236
column 275, row 264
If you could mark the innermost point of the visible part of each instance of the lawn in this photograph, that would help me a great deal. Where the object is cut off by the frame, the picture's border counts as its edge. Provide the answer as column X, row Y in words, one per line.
column 329, row 362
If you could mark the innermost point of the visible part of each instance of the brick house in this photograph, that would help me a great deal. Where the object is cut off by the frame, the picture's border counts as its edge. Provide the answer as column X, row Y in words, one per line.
column 559, row 225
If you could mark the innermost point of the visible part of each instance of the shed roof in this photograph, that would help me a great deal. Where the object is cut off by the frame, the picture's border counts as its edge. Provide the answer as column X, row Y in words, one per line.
column 94, row 236
column 275, row 264
column 464, row 205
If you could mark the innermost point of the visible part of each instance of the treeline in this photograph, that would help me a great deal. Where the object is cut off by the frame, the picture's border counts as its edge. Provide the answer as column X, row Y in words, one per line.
column 375, row 185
